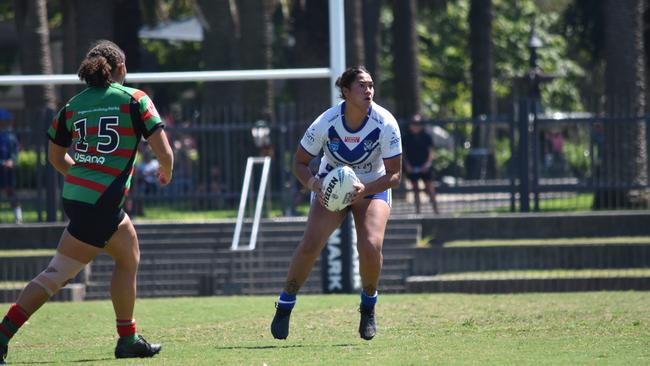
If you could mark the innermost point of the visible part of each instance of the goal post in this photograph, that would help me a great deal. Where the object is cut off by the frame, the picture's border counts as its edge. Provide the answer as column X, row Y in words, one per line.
column 336, row 67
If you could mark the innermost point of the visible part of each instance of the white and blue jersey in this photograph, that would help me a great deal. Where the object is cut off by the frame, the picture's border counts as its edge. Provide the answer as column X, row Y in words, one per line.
column 364, row 149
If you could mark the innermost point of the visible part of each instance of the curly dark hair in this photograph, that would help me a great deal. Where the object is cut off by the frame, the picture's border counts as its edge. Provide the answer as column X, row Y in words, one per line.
column 101, row 60
column 348, row 77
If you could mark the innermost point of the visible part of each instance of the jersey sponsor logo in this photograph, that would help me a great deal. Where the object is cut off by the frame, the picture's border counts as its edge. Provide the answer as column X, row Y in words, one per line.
column 309, row 136
column 394, row 141
column 328, row 191
column 362, row 168
column 334, row 262
column 354, row 139
column 333, row 144
column 86, row 158
column 333, row 119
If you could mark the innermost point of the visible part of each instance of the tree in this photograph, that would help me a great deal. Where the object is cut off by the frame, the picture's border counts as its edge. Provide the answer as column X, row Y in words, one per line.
column 310, row 29
column 35, row 57
column 372, row 39
column 480, row 44
column 406, row 75
column 624, row 157
column 354, row 35
column 221, row 34
column 256, row 53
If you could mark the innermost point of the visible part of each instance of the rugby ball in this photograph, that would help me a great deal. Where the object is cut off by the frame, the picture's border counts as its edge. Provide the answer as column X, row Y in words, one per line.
column 338, row 187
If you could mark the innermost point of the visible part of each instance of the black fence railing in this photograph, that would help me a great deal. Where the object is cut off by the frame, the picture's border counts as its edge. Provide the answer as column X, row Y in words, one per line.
column 522, row 162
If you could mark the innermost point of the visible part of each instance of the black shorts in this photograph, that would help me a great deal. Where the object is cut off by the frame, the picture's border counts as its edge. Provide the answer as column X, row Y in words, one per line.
column 90, row 224
column 424, row 175
column 7, row 177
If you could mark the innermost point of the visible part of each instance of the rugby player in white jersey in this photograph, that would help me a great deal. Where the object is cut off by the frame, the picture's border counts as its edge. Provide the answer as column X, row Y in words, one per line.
column 363, row 135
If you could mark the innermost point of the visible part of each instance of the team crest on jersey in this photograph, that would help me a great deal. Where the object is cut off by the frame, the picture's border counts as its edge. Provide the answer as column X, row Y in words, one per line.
column 367, row 145
column 333, row 144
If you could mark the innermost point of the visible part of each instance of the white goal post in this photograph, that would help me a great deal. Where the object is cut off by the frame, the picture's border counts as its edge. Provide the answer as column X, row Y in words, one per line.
column 337, row 66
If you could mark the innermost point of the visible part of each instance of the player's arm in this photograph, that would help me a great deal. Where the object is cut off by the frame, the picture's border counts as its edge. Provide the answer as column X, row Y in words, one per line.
column 301, row 160
column 59, row 158
column 163, row 151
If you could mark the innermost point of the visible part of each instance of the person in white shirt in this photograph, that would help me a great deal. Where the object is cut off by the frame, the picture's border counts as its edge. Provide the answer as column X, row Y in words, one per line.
column 363, row 135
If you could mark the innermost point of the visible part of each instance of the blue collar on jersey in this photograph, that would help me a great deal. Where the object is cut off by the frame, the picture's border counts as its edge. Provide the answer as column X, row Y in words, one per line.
column 345, row 125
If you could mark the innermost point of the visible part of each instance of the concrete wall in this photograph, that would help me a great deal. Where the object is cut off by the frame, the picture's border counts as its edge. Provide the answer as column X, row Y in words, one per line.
column 537, row 226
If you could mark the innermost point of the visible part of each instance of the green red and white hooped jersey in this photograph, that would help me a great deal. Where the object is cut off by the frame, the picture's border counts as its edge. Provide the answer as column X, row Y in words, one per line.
column 103, row 127
column 364, row 149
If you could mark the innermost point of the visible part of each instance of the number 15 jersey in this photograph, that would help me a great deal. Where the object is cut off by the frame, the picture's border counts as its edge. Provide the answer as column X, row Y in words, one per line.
column 104, row 127
column 364, row 149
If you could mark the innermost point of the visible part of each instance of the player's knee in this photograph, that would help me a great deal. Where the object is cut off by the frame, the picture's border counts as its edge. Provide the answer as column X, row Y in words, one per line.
column 370, row 252
column 59, row 272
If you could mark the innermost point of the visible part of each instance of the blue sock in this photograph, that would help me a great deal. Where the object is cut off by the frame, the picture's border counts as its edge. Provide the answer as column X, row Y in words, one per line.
column 286, row 301
column 368, row 302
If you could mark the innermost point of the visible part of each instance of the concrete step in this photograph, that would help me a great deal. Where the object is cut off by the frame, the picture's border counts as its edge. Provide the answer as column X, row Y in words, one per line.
column 533, row 281
column 508, row 257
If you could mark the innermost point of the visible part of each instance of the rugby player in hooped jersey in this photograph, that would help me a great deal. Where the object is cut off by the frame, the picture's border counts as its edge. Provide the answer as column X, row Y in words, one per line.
column 361, row 134
column 104, row 125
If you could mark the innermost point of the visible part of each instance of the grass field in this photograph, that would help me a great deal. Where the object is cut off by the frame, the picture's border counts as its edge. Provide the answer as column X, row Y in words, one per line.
column 605, row 328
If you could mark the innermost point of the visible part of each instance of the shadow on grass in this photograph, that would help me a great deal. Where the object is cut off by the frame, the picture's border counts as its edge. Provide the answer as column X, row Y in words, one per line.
column 286, row 346
column 53, row 362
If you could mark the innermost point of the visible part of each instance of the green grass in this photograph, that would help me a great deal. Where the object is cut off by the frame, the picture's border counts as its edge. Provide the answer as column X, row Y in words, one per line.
column 574, row 203
column 610, row 328
column 544, row 274
column 12, row 284
column 619, row 240
column 27, row 252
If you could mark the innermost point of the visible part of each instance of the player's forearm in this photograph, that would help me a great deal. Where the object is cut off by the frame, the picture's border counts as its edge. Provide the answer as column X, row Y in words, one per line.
column 389, row 180
column 302, row 172
column 162, row 150
column 62, row 163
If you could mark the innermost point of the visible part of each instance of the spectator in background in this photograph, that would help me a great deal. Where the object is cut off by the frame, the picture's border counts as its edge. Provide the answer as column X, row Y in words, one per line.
column 418, row 158
column 148, row 173
column 8, row 162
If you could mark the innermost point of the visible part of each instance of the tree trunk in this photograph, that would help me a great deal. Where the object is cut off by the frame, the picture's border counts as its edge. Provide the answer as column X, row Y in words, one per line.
column 480, row 42
column 256, row 53
column 128, row 20
column 35, row 56
column 372, row 40
column 354, row 51
column 480, row 160
column 624, row 162
column 405, row 67
column 94, row 21
column 311, row 32
column 221, row 35
column 70, row 53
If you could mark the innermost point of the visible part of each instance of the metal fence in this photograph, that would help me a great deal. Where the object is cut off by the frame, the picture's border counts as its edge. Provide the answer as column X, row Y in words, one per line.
column 530, row 162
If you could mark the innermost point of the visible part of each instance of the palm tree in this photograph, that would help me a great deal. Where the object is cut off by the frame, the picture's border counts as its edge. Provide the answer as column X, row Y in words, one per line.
column 480, row 43
column 354, row 49
column 405, row 63
column 256, row 53
column 372, row 38
column 221, row 34
column 625, row 159
column 309, row 20
column 35, row 57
